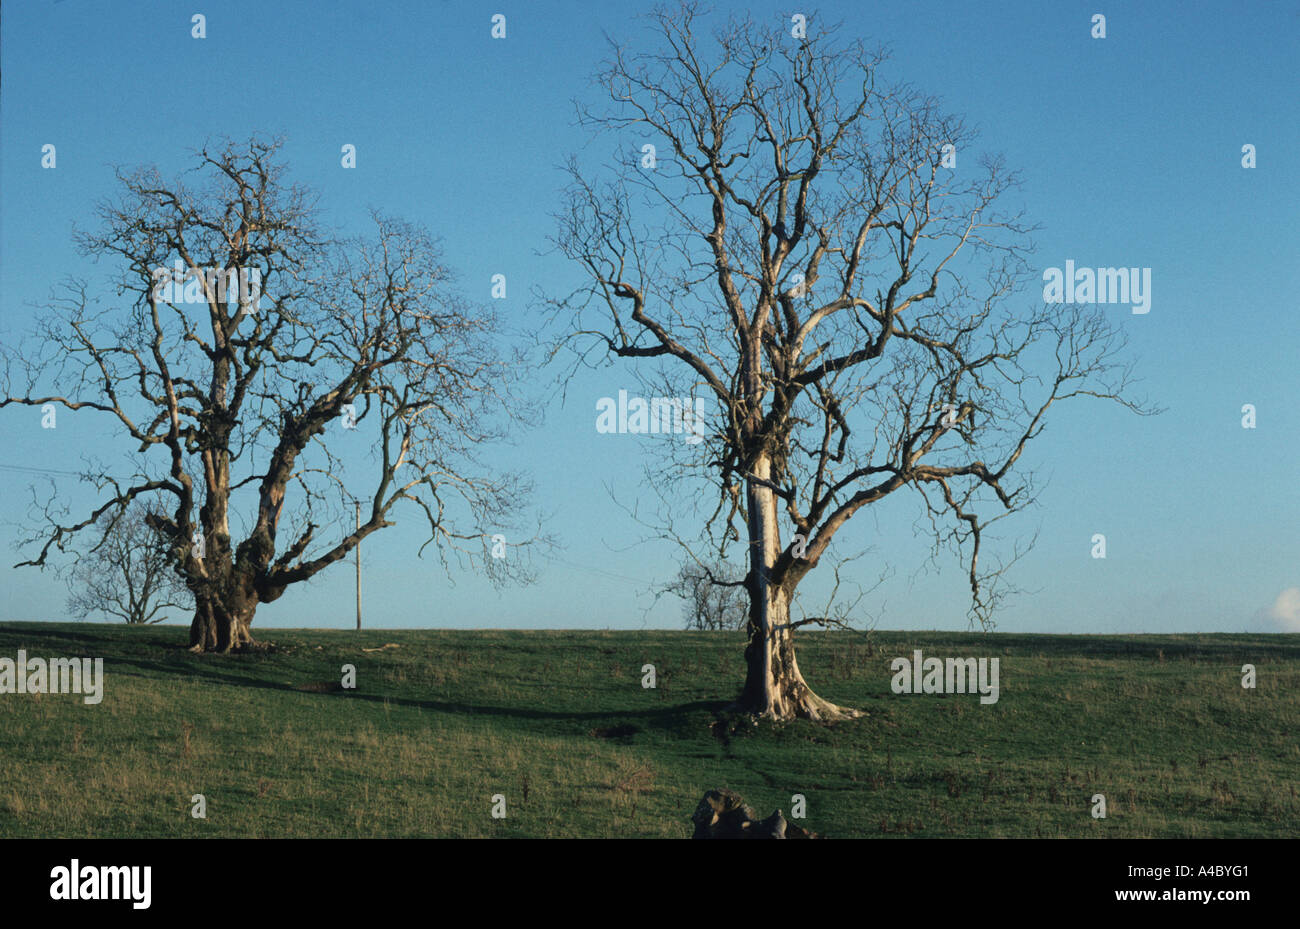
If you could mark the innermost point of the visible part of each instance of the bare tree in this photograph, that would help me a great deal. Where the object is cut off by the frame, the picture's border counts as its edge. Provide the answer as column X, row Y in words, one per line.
column 237, row 376
column 798, row 246
column 710, row 600
column 127, row 574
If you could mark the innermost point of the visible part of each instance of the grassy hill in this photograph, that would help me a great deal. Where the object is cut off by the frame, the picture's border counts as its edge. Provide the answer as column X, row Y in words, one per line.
column 559, row 723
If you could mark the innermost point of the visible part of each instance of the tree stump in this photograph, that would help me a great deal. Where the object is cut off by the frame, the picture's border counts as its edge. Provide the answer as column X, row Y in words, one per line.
column 722, row 814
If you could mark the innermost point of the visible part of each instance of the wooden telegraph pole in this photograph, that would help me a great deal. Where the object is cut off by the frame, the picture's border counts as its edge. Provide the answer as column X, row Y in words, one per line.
column 358, row 568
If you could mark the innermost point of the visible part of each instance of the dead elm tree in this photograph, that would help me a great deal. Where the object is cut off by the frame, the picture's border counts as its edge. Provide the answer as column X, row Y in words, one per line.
column 785, row 234
column 263, row 375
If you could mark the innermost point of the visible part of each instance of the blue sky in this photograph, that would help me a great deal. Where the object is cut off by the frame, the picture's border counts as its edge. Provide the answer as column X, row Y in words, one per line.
column 1130, row 147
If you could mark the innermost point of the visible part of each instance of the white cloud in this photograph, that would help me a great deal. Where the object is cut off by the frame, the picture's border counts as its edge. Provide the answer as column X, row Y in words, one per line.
column 1285, row 611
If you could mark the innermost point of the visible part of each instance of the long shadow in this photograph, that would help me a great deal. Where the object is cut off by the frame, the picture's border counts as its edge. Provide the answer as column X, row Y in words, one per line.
column 662, row 717
column 113, row 641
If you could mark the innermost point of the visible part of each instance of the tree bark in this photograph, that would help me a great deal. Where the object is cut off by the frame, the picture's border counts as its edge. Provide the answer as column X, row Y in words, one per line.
column 774, row 687
column 218, row 627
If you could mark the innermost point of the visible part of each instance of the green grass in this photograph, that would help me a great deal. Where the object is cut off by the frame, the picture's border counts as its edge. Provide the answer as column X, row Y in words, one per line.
column 558, row 722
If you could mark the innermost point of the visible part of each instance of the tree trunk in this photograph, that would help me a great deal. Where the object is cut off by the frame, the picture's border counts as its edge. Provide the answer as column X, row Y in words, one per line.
column 218, row 628
column 774, row 688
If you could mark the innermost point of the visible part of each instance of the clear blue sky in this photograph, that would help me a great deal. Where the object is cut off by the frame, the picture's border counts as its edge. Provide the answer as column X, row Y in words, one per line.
column 1131, row 151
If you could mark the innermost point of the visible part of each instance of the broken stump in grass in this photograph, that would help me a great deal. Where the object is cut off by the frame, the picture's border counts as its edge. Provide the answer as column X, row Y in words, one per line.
column 722, row 814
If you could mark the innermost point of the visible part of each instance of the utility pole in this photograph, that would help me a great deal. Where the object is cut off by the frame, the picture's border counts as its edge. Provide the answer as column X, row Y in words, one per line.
column 358, row 568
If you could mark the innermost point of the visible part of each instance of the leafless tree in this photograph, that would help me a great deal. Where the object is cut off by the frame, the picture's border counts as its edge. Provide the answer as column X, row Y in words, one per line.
column 239, row 394
column 710, row 600
column 127, row 573
column 798, row 248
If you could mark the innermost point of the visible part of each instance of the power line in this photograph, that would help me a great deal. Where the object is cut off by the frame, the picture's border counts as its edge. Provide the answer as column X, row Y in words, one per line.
column 599, row 572
column 32, row 470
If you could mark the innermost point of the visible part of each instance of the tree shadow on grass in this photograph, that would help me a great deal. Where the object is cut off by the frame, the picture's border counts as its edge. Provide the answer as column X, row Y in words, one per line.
column 664, row 718
column 12, row 635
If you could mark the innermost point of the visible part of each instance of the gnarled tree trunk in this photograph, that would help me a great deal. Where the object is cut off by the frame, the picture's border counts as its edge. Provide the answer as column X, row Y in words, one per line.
column 774, row 687
column 221, row 623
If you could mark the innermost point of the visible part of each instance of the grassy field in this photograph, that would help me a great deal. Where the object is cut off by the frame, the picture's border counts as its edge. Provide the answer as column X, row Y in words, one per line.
column 559, row 723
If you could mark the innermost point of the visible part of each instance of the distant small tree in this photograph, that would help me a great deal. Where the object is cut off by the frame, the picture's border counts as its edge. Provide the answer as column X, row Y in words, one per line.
column 126, row 575
column 711, row 599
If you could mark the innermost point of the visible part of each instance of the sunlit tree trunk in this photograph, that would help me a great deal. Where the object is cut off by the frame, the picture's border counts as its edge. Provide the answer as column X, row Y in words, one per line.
column 774, row 687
